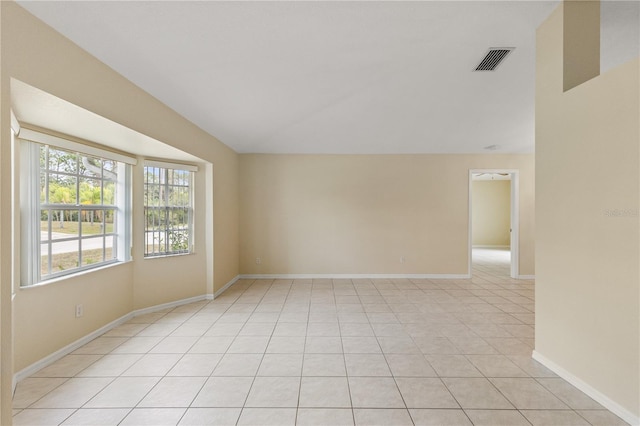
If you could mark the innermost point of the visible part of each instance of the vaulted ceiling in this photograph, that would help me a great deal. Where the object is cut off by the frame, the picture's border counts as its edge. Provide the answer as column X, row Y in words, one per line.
column 330, row 77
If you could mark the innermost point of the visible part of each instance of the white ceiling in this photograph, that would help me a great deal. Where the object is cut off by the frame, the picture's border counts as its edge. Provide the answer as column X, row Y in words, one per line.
column 325, row 77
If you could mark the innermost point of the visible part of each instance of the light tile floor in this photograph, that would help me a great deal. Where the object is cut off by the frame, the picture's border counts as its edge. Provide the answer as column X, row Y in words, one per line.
column 320, row 352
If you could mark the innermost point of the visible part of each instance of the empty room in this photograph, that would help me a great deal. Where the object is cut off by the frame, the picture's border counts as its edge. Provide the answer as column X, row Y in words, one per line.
column 320, row 213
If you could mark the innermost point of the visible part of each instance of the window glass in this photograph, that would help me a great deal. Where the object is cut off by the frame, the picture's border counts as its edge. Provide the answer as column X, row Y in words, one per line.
column 74, row 223
column 168, row 208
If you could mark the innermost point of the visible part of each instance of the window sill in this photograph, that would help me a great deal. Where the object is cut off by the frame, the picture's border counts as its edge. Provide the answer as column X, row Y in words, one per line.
column 164, row 256
column 74, row 275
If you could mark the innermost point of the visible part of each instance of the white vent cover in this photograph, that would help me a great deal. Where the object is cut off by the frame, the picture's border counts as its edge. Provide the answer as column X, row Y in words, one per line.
column 493, row 58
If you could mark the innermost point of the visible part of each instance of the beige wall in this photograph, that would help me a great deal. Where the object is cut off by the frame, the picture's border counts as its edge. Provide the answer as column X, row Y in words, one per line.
column 491, row 212
column 43, row 316
column 6, row 334
column 359, row 214
column 587, row 224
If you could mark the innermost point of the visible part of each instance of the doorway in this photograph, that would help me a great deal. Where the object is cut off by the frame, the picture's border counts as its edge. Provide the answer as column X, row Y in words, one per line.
column 493, row 222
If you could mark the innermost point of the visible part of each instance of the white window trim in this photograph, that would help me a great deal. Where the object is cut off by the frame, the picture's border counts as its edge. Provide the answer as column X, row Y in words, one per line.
column 177, row 166
column 46, row 139
column 167, row 165
column 15, row 124
column 15, row 231
column 30, row 202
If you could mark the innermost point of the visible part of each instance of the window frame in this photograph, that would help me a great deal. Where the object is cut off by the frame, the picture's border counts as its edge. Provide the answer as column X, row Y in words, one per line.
column 15, row 231
column 164, row 232
column 32, row 207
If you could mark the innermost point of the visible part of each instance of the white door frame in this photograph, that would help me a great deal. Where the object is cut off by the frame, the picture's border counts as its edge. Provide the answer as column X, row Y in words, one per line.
column 515, row 215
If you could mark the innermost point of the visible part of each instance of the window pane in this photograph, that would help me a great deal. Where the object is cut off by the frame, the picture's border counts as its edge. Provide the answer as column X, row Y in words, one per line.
column 152, row 194
column 90, row 166
column 91, row 222
column 43, row 175
column 110, row 251
column 44, row 225
column 109, row 193
column 90, row 191
column 181, row 177
column 109, row 166
column 44, row 151
column 92, row 250
column 62, row 189
column 178, row 240
column 64, row 256
column 179, row 217
column 178, row 196
column 167, row 211
column 44, row 259
column 152, row 175
column 63, row 161
column 150, row 243
column 64, row 224
column 152, row 218
column 109, row 216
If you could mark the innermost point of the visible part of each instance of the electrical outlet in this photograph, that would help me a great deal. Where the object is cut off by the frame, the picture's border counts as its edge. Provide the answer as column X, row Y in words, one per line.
column 79, row 310
column 258, row 261
column 403, row 259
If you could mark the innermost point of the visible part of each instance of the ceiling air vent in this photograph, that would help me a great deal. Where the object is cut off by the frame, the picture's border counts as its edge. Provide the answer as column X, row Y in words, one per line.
column 493, row 58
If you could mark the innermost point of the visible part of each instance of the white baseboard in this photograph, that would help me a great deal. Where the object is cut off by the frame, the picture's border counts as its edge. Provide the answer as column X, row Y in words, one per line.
column 352, row 276
column 162, row 306
column 224, row 288
column 51, row 358
column 526, row 277
column 60, row 353
column 331, row 276
column 490, row 246
column 596, row 395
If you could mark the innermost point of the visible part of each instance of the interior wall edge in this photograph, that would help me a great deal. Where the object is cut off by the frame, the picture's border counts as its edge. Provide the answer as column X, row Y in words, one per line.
column 223, row 288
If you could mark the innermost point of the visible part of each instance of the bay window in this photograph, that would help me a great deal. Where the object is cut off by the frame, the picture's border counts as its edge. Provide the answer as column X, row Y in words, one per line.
column 75, row 207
